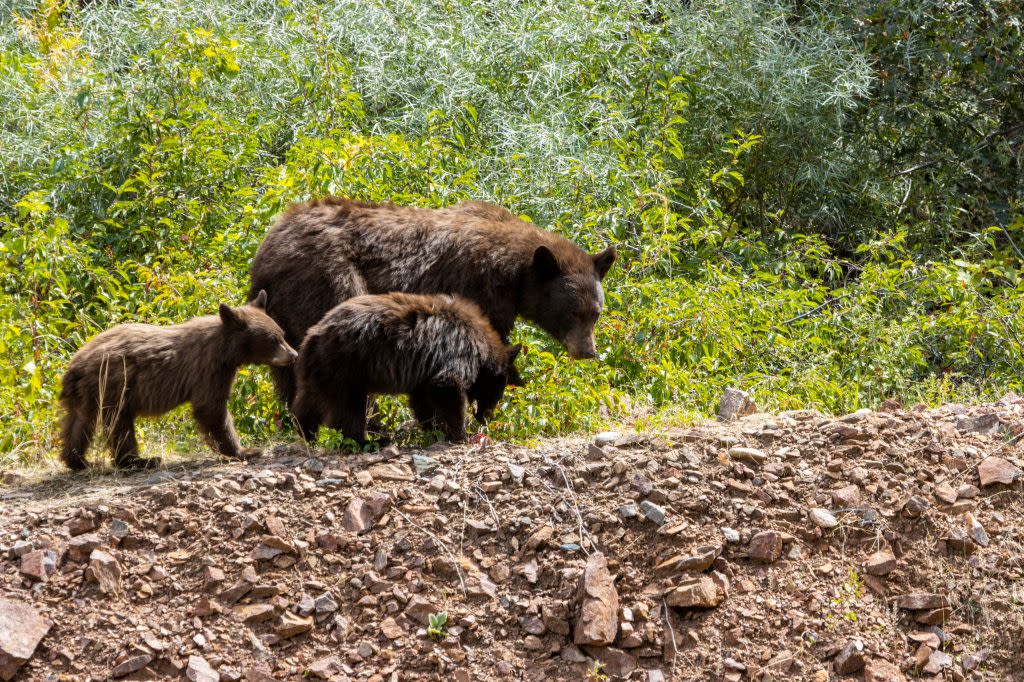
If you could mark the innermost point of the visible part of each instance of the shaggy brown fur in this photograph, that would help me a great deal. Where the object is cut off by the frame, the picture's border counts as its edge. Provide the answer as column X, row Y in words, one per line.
column 138, row 370
column 321, row 253
column 440, row 350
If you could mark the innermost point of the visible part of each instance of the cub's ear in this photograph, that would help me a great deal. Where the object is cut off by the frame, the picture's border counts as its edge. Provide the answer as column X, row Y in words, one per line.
column 513, row 352
column 545, row 264
column 603, row 261
column 230, row 318
column 260, row 301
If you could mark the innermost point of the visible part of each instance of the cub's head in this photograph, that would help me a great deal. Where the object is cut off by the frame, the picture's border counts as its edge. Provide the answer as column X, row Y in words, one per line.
column 565, row 298
column 489, row 387
column 256, row 338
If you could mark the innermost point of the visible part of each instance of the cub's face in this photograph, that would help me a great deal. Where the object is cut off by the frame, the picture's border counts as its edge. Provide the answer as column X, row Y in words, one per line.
column 258, row 338
column 567, row 304
column 489, row 387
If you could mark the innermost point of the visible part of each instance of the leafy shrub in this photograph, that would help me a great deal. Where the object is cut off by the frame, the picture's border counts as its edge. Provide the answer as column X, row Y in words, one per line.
column 724, row 147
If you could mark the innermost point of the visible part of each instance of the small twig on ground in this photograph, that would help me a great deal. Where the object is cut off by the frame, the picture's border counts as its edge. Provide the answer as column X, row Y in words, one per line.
column 439, row 541
column 494, row 514
column 672, row 633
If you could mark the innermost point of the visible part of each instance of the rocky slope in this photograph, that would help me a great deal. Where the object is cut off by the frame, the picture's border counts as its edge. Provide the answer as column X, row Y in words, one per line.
column 876, row 546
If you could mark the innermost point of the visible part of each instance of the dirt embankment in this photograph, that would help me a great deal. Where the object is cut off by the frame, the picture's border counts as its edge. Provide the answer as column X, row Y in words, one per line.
column 877, row 546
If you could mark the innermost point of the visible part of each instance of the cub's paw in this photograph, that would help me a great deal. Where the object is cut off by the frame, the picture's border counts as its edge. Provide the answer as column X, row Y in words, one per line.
column 138, row 463
column 250, row 453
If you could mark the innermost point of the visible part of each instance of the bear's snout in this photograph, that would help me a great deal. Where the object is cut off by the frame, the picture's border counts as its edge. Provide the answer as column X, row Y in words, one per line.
column 581, row 347
column 284, row 356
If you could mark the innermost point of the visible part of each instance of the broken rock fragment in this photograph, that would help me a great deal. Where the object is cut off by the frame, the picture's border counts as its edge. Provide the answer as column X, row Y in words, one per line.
column 598, row 620
column 21, row 630
column 765, row 547
column 704, row 591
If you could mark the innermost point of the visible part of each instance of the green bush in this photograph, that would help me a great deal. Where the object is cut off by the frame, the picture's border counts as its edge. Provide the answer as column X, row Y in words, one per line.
column 145, row 148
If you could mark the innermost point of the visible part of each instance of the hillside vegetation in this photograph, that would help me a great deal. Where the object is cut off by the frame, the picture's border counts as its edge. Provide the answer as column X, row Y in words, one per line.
column 818, row 202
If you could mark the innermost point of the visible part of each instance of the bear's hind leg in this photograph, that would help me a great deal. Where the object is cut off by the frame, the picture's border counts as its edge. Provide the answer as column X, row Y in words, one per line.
column 450, row 405
column 76, row 435
column 308, row 416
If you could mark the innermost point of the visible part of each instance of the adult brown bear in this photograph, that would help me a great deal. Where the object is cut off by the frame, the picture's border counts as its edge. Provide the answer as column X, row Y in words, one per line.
column 323, row 252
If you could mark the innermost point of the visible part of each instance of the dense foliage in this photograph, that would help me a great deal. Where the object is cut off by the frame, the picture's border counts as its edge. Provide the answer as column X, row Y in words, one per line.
column 818, row 202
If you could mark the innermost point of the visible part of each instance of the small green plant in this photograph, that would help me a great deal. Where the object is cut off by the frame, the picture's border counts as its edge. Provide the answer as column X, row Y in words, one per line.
column 596, row 672
column 851, row 591
column 436, row 627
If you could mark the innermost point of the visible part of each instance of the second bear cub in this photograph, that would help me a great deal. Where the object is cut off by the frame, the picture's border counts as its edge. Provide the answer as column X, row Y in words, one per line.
column 438, row 349
column 137, row 370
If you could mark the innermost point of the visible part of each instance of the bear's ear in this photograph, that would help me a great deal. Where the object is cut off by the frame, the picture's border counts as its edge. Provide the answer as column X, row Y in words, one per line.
column 260, row 301
column 603, row 261
column 229, row 317
column 545, row 264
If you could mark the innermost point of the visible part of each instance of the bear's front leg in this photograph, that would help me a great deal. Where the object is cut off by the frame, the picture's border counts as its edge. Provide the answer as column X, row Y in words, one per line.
column 217, row 427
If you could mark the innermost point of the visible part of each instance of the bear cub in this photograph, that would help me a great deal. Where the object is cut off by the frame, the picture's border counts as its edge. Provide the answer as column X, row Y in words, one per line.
column 440, row 350
column 144, row 370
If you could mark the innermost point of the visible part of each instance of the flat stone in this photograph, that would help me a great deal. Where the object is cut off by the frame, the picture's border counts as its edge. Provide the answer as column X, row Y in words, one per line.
column 133, row 664
column 937, row 662
column 915, row 506
column 918, row 601
column 882, row 562
column 293, row 625
column 749, row 455
column 702, row 591
column 944, row 493
column 878, row 670
column 606, row 438
column 823, row 518
column 616, row 663
column 424, row 464
column 200, row 671
column 846, row 497
column 653, row 512
column 254, row 613
column 700, row 560
column 22, row 628
column 984, row 425
column 419, row 610
column 765, row 547
column 390, row 628
column 325, row 668
column 598, row 620
column 994, row 470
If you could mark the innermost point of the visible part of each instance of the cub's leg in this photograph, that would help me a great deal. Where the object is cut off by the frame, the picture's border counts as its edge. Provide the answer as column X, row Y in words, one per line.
column 450, row 405
column 348, row 415
column 76, row 435
column 122, row 440
column 423, row 408
column 217, row 427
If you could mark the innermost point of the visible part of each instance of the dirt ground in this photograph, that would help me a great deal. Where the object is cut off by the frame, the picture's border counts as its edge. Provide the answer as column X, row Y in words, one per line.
column 875, row 546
